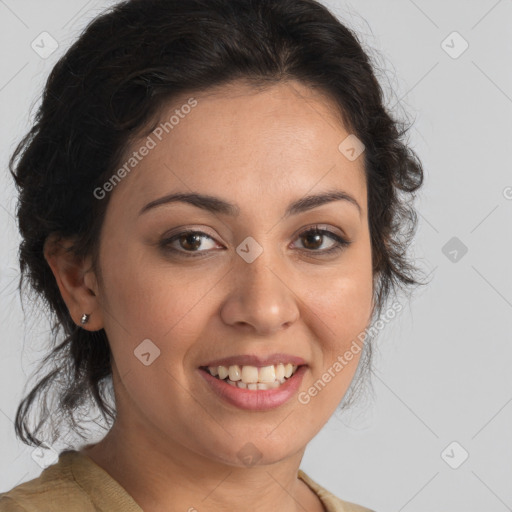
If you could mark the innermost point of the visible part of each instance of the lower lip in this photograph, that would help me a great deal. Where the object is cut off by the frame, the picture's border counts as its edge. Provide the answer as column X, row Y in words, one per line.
column 258, row 399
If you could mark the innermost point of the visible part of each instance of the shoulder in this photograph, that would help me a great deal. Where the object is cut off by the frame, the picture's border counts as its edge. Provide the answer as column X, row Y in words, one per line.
column 7, row 504
column 331, row 502
column 55, row 487
column 75, row 483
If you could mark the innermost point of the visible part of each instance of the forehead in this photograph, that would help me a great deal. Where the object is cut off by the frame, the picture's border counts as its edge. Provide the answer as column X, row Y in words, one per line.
column 242, row 141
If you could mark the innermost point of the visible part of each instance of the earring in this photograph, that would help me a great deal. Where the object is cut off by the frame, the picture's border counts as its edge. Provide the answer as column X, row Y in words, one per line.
column 84, row 319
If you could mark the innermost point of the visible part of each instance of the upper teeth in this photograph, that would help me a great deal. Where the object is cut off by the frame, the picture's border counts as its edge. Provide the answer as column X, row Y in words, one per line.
column 252, row 374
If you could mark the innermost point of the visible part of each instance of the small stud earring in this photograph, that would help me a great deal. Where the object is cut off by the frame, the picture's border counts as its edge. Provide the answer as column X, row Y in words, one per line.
column 84, row 319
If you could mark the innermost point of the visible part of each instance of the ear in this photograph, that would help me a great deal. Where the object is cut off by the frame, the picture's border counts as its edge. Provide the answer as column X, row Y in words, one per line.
column 76, row 280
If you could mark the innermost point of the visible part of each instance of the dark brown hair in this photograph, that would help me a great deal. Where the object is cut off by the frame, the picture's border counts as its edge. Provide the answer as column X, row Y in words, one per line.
column 115, row 79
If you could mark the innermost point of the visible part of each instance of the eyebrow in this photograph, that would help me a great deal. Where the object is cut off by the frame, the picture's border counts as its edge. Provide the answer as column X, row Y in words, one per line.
column 218, row 205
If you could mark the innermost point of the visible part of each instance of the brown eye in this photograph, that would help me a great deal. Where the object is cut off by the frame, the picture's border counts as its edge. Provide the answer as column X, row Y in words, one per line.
column 188, row 243
column 314, row 238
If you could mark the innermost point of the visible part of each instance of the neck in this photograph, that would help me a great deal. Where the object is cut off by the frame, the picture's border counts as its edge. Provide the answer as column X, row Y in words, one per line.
column 157, row 475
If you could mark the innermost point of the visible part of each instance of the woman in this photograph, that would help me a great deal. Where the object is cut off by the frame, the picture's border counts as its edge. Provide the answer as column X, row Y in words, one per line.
column 215, row 204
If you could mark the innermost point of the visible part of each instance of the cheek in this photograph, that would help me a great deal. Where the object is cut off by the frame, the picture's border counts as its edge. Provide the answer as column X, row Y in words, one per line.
column 340, row 309
column 149, row 297
column 342, row 301
column 156, row 302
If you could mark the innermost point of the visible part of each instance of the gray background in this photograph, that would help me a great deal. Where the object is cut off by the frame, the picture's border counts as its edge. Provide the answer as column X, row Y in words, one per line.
column 442, row 367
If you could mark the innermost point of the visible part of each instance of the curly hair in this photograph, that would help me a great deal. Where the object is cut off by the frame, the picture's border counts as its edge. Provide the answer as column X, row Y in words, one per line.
column 115, row 80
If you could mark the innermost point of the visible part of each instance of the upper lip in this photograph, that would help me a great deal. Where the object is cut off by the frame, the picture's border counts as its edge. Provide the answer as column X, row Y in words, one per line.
column 254, row 360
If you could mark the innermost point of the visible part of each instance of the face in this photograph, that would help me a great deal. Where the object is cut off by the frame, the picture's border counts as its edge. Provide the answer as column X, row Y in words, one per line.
column 253, row 281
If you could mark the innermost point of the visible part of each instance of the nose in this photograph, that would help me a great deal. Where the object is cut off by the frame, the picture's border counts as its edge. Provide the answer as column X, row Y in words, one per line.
column 262, row 298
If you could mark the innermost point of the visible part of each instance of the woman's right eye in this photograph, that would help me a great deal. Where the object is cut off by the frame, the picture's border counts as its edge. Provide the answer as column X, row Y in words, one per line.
column 188, row 241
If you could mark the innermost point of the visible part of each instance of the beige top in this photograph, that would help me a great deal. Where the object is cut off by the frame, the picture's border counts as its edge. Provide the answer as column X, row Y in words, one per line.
column 77, row 484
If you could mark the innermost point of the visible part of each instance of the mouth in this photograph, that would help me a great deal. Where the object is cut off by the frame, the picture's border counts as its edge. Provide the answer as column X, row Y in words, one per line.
column 253, row 378
column 254, row 388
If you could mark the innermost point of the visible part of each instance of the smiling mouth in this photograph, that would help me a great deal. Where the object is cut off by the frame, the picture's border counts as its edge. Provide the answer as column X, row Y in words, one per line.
column 253, row 377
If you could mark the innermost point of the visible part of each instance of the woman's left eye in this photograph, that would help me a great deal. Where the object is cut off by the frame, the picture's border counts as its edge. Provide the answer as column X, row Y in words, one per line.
column 191, row 241
column 314, row 235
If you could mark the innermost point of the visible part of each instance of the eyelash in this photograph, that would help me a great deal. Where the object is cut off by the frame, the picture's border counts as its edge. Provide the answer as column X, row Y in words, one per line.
column 341, row 243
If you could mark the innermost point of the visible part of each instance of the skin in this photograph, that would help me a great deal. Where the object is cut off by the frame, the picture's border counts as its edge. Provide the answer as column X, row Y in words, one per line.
column 174, row 441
